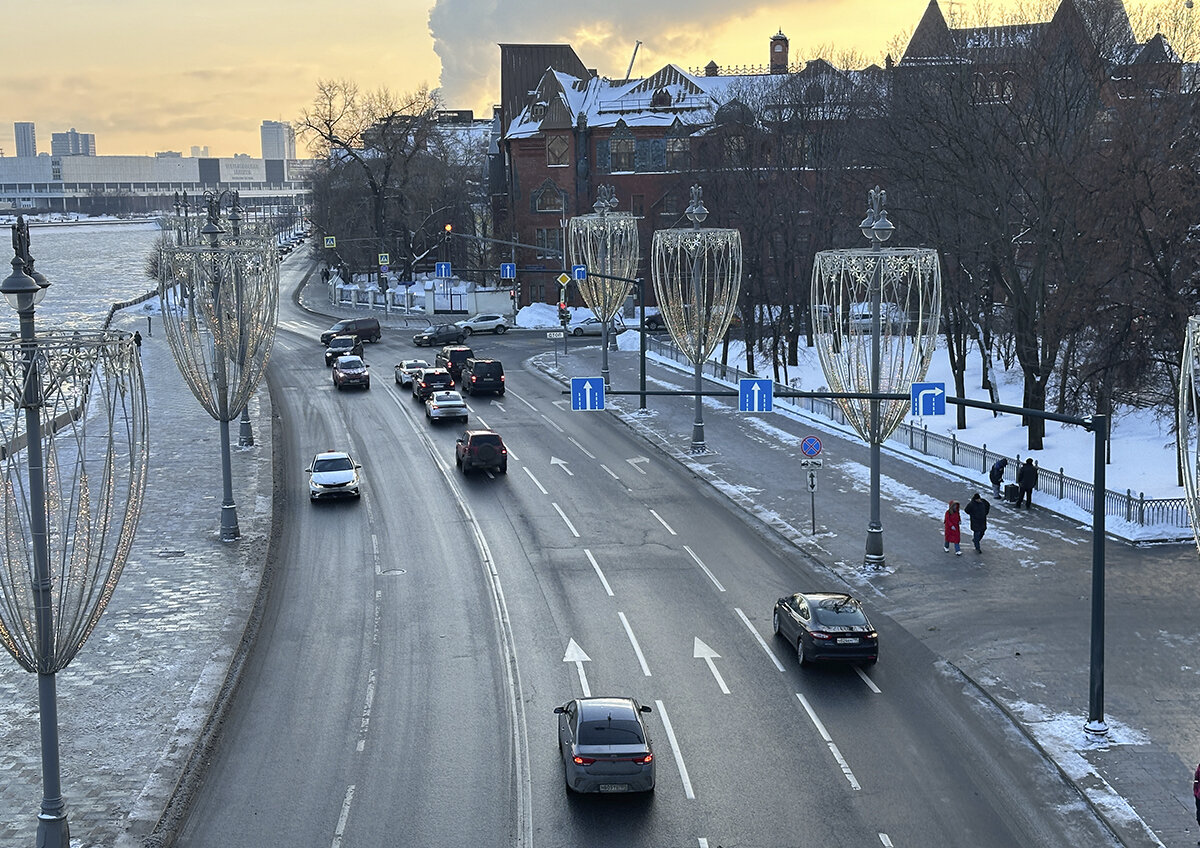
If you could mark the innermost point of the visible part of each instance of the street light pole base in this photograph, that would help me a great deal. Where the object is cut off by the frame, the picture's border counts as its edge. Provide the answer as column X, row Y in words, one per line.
column 229, row 524
column 874, row 557
column 1097, row 731
column 246, row 434
column 53, row 830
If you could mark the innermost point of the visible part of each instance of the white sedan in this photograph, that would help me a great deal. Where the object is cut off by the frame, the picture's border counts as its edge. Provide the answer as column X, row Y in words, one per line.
column 442, row 405
column 483, row 323
column 406, row 369
column 333, row 474
column 591, row 326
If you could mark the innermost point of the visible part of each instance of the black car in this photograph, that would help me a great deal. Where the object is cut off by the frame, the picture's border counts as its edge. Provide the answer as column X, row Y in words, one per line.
column 363, row 328
column 439, row 334
column 343, row 346
column 429, row 380
column 482, row 375
column 826, row 626
column 452, row 358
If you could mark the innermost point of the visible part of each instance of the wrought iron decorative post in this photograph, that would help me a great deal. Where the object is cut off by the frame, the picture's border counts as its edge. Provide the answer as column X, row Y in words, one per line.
column 697, row 277
column 220, row 307
column 606, row 243
column 875, row 316
column 74, row 474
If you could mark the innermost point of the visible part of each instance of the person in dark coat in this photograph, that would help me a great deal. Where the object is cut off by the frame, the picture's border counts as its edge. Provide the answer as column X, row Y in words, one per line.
column 977, row 510
column 996, row 475
column 1027, row 482
column 952, row 522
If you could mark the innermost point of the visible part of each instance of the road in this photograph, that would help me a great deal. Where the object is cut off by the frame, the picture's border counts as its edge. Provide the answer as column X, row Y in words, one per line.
column 415, row 644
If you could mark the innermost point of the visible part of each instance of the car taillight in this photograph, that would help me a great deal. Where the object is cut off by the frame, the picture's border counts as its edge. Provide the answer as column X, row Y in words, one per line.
column 817, row 634
column 501, row 378
column 473, row 378
column 583, row 761
column 644, row 760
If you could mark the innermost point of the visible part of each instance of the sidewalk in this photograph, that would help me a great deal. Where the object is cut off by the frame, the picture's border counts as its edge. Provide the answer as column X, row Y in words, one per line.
column 1014, row 622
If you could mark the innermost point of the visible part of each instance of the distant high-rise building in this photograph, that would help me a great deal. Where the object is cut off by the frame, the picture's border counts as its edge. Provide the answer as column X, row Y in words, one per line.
column 199, row 152
column 278, row 140
column 72, row 143
column 26, row 138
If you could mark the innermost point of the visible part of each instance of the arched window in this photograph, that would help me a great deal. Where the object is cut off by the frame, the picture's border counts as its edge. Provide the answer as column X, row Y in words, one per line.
column 621, row 148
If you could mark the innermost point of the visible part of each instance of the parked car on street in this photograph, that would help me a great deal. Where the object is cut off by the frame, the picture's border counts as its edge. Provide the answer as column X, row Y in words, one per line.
column 439, row 334
column 429, row 380
column 440, row 406
column 351, row 371
column 480, row 449
column 892, row 317
column 484, row 322
column 406, row 369
column 333, row 474
column 826, row 626
column 364, row 328
column 343, row 346
column 482, row 375
column 605, row 746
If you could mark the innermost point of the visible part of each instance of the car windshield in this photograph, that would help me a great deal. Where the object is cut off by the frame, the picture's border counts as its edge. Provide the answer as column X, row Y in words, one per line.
column 350, row 363
column 445, row 397
column 335, row 463
column 839, row 612
column 610, row 731
column 342, row 341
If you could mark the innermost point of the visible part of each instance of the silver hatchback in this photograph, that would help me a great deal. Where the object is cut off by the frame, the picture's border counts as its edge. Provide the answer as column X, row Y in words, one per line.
column 605, row 746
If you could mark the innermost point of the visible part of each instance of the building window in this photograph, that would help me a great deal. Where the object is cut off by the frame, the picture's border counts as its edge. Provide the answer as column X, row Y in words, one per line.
column 678, row 153
column 548, row 199
column 621, row 149
column 637, row 205
column 549, row 242
column 670, row 205
column 557, row 148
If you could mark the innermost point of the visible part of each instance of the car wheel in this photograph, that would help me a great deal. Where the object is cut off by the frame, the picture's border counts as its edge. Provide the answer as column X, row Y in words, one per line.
column 802, row 654
column 458, row 461
column 500, row 330
column 376, row 337
column 501, row 392
column 468, row 330
column 775, row 622
column 504, row 468
column 577, row 332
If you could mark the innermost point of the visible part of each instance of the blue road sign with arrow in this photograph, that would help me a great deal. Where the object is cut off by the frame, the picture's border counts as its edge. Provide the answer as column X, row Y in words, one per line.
column 508, row 270
column 579, row 272
column 442, row 270
column 755, row 395
column 928, row 398
column 587, row 393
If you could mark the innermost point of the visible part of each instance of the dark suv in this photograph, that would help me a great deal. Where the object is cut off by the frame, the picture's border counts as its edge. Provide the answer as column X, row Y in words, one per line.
column 482, row 375
column 439, row 334
column 452, row 358
column 429, row 380
column 343, row 346
column 480, row 449
column 363, row 328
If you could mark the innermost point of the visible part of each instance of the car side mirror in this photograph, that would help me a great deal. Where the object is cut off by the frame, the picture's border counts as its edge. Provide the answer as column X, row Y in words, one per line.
column 560, row 710
column 644, row 708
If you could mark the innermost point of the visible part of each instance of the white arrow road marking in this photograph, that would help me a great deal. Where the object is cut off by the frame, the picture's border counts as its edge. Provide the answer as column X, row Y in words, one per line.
column 576, row 655
column 702, row 651
column 637, row 461
column 535, row 480
column 837, row 755
column 637, row 649
column 561, row 404
column 499, row 406
column 761, row 642
column 599, row 573
column 562, row 463
column 674, row 743
column 563, row 516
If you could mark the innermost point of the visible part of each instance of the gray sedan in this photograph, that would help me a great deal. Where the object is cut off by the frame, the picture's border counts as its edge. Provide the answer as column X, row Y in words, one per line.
column 442, row 405
column 605, row 746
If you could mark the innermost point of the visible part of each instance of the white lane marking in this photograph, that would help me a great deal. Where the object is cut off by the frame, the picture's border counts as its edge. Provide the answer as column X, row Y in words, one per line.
column 663, row 523
column 522, row 400
column 885, row 840
column 378, row 616
column 599, row 573
column 700, row 563
column 703, row 842
column 701, row 651
column 637, row 461
column 837, row 755
column 563, row 516
column 482, row 423
column 577, row 655
column 581, row 447
column 870, row 683
column 611, row 473
column 535, row 480
column 674, row 743
column 375, row 554
column 562, row 463
column 341, row 825
column 551, row 423
column 366, row 714
column 637, row 649
column 512, row 455
column 760, row 639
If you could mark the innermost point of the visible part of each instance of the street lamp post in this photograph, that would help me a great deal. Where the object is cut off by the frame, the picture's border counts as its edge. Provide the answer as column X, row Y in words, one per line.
column 877, row 229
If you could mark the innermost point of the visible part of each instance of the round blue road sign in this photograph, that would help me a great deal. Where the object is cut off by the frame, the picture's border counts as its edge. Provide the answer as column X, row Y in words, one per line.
column 811, row 446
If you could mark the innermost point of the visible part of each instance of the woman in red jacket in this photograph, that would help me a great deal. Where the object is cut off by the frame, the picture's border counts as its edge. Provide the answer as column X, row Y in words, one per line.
column 951, row 522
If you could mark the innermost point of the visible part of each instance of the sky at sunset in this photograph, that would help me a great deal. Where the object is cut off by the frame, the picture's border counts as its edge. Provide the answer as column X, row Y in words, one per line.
column 146, row 76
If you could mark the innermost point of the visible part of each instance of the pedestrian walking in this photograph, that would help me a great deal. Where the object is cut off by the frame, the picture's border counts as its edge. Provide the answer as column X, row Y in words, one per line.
column 1027, row 482
column 952, row 522
column 977, row 510
column 137, row 340
column 1196, row 792
column 996, row 475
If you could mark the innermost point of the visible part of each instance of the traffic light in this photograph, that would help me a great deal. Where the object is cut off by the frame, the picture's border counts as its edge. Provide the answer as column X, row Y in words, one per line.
column 449, row 228
column 563, row 315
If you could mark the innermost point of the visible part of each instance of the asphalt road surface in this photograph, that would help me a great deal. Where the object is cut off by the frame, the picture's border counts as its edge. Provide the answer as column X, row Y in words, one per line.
column 401, row 690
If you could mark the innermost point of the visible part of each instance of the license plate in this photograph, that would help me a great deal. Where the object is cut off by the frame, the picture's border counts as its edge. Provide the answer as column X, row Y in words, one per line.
column 614, row 787
column 848, row 640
